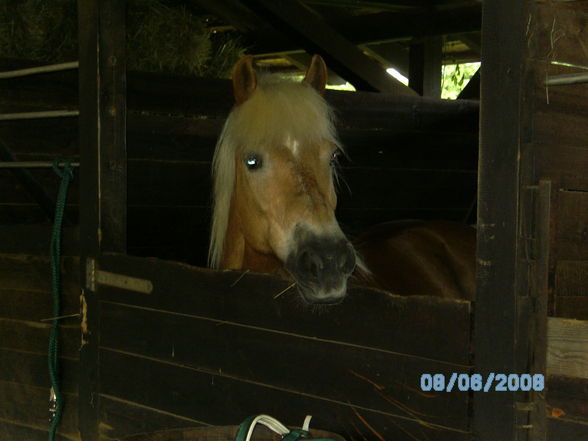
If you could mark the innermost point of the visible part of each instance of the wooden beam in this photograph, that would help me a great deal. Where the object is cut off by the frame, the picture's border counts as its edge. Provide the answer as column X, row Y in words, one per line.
column 302, row 60
column 102, row 100
column 316, row 36
column 473, row 40
column 425, row 67
column 389, row 55
column 380, row 28
column 513, row 232
column 472, row 89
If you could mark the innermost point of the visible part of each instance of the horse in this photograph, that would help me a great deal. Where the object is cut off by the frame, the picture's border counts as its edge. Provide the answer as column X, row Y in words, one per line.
column 274, row 177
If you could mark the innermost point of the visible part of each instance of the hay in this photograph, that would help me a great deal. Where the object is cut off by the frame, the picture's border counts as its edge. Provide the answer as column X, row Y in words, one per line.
column 160, row 38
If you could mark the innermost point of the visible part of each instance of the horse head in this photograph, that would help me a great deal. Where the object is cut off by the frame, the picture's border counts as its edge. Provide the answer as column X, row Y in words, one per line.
column 274, row 174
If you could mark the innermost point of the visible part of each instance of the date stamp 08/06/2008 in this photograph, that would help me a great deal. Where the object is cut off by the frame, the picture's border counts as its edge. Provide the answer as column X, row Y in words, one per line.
column 478, row 383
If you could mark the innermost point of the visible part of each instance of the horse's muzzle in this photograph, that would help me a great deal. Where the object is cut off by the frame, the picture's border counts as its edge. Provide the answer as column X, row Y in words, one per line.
column 321, row 266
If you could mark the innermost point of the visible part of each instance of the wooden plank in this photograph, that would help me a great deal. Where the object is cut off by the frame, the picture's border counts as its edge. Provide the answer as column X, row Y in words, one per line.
column 31, row 369
column 317, row 36
column 33, row 336
column 567, row 398
column 186, row 227
column 562, row 429
column 17, row 432
column 163, row 183
column 570, row 241
column 396, row 147
column 439, row 328
column 121, row 418
column 565, row 164
column 572, row 307
column 571, row 278
column 196, row 97
column 27, row 406
column 26, row 214
column 533, row 322
column 219, row 400
column 567, row 351
column 35, row 240
column 356, row 375
column 32, row 273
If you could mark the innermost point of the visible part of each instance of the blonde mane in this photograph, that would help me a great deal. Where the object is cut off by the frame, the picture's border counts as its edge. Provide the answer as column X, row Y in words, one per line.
column 275, row 112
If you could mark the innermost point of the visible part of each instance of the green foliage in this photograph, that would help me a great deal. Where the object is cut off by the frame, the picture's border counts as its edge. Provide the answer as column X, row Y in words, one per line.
column 455, row 77
column 160, row 38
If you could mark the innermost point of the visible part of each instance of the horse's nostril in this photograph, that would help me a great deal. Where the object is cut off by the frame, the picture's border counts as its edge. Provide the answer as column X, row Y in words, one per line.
column 311, row 263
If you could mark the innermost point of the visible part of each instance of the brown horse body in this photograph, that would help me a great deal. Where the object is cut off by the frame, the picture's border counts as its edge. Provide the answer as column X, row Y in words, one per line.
column 274, row 203
column 420, row 258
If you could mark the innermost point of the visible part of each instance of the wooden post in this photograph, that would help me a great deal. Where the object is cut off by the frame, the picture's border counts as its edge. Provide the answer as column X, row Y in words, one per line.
column 513, row 220
column 425, row 67
column 102, row 100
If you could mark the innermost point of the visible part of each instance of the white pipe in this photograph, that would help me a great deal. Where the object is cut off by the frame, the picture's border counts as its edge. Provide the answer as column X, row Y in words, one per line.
column 39, row 69
column 35, row 115
column 32, row 164
column 560, row 80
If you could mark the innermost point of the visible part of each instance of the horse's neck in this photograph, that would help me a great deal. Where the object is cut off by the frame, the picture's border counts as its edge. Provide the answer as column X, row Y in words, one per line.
column 239, row 255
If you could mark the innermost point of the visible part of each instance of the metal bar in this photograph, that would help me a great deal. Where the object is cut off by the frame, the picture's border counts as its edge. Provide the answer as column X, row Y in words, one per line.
column 561, row 80
column 32, row 164
column 123, row 281
column 37, row 115
column 39, row 70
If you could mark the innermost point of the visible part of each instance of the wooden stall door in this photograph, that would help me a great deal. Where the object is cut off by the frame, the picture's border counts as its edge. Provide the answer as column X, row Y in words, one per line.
column 182, row 346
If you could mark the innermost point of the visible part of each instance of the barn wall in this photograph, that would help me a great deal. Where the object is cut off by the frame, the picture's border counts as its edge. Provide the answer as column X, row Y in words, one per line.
column 25, row 300
column 558, row 141
column 410, row 158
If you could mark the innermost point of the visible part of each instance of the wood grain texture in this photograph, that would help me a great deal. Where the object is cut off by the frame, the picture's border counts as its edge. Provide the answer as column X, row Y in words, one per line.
column 199, row 349
column 568, row 347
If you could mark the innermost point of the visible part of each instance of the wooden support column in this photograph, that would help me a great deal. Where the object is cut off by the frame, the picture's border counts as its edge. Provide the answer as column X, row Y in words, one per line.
column 513, row 232
column 102, row 101
column 425, row 66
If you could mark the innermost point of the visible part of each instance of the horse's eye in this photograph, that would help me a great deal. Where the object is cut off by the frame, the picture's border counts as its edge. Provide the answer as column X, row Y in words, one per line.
column 335, row 157
column 253, row 161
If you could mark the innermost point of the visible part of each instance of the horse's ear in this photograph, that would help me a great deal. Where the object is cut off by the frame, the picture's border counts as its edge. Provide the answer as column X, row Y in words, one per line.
column 316, row 75
column 244, row 79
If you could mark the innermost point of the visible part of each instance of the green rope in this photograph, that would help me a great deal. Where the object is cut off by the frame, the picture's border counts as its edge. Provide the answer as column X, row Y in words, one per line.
column 56, row 400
